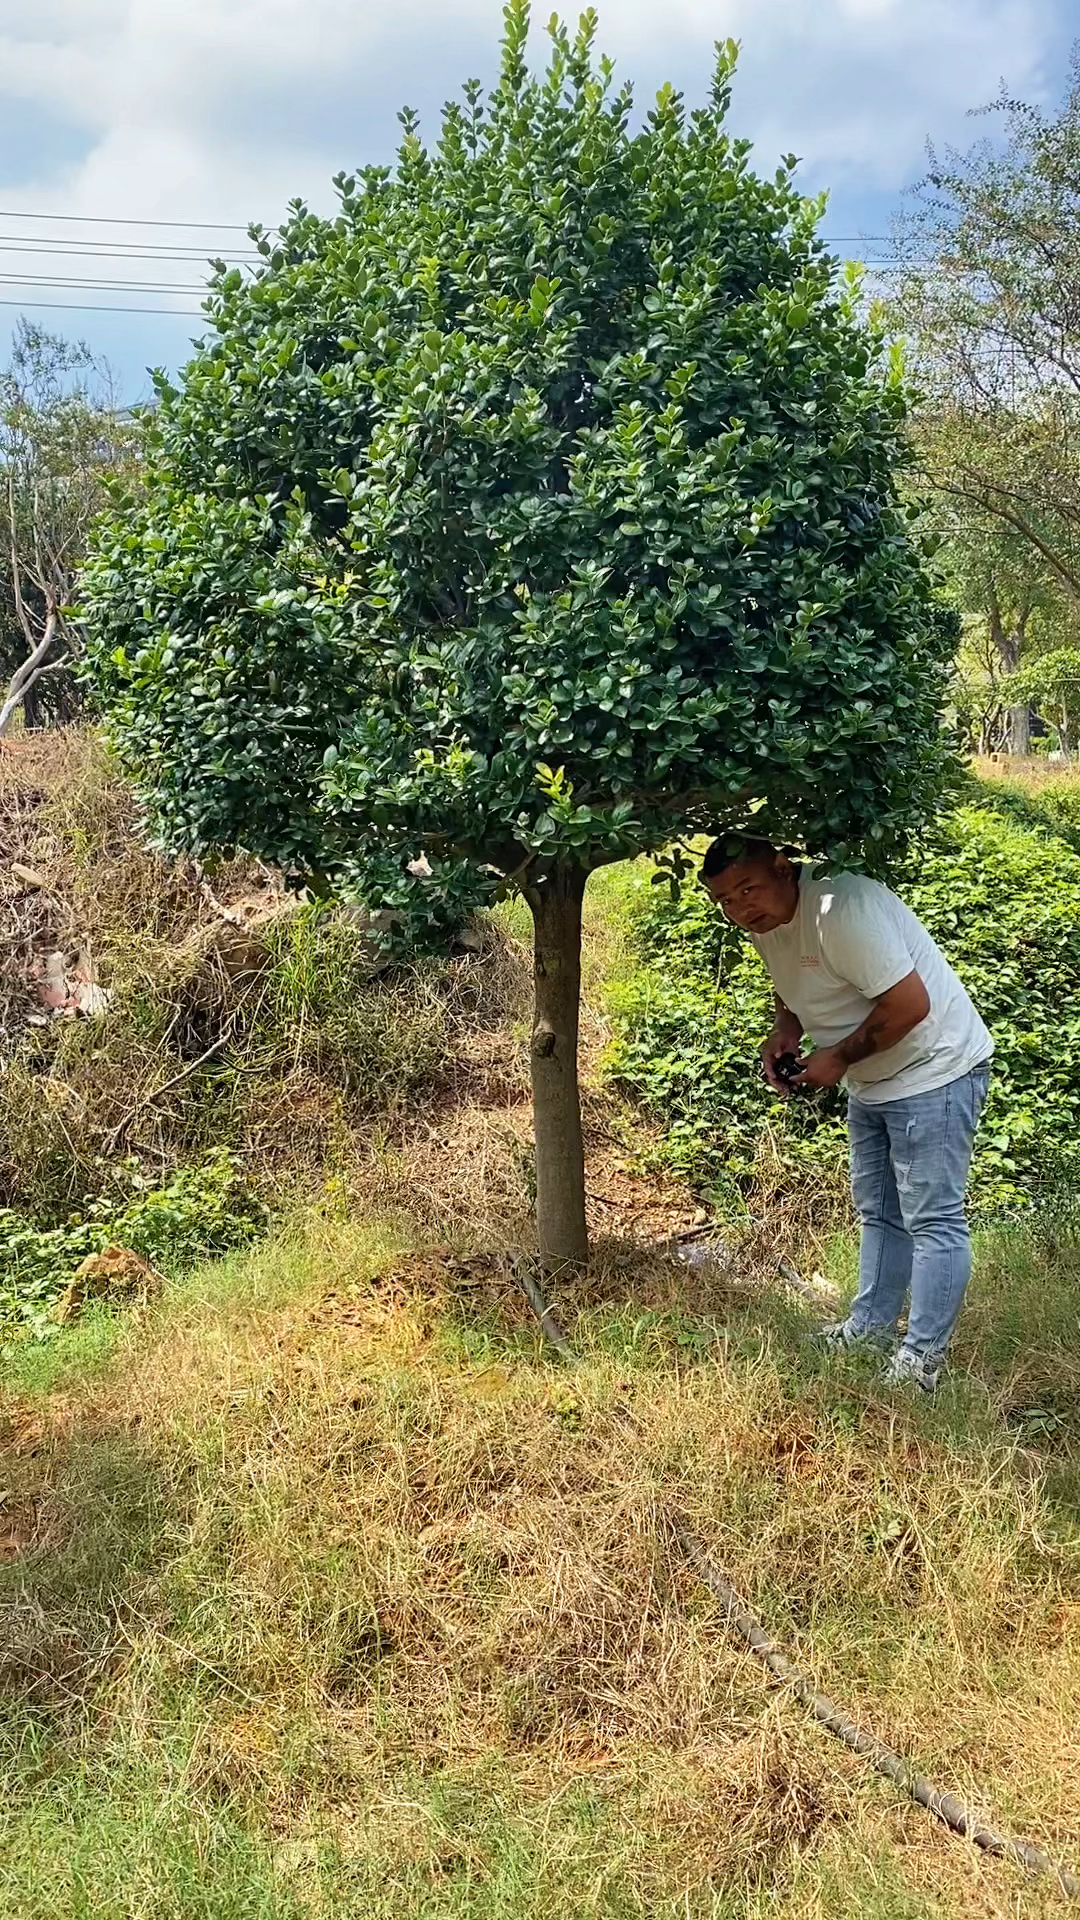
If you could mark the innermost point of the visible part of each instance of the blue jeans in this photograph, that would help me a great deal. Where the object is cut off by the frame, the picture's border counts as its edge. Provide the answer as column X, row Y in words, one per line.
column 909, row 1168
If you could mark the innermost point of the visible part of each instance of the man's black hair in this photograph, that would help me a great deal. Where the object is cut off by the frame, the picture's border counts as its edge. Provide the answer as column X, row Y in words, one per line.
column 733, row 847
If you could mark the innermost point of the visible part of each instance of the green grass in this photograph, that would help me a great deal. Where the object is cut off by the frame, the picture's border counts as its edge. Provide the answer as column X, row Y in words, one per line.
column 337, row 1597
column 83, row 1350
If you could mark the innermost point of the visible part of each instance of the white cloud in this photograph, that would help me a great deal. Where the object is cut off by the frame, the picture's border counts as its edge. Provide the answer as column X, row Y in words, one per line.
column 239, row 103
column 854, row 86
column 225, row 107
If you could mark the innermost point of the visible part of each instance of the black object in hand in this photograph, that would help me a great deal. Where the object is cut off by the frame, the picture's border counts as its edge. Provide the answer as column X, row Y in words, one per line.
column 787, row 1067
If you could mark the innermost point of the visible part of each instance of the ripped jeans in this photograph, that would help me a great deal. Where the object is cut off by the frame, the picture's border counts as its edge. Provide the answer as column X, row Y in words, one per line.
column 909, row 1169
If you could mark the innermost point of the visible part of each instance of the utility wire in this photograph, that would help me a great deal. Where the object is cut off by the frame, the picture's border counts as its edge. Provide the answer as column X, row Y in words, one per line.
column 81, row 246
column 121, row 220
column 98, row 286
column 225, row 226
column 101, row 250
column 87, row 306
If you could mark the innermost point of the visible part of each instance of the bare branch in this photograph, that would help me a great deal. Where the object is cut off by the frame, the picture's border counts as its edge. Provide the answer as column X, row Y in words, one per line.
column 26, row 675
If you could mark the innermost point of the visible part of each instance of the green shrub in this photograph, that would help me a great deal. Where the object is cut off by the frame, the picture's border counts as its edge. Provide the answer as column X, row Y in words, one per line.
column 687, row 1029
column 202, row 1210
column 1002, row 899
column 1053, row 808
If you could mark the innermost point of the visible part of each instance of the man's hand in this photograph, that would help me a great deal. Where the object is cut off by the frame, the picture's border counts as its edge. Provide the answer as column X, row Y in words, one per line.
column 786, row 1037
column 825, row 1068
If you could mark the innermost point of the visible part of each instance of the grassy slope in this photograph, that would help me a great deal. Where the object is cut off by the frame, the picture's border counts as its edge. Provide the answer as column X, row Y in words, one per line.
column 323, row 1591
column 326, row 1592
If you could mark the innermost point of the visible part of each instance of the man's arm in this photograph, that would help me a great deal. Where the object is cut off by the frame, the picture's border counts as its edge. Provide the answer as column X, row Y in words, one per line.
column 786, row 1037
column 893, row 1016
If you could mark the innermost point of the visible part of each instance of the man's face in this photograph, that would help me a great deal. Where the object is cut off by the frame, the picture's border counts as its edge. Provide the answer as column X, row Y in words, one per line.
column 757, row 895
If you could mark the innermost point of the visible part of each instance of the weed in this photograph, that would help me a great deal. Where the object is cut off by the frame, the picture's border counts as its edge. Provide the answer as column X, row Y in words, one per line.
column 201, row 1210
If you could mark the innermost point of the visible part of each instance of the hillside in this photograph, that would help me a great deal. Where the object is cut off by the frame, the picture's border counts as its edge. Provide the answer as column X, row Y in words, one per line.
column 326, row 1590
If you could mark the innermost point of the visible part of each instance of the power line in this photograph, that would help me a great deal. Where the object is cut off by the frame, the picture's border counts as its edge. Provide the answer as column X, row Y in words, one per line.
column 225, row 226
column 84, row 306
column 97, row 286
column 100, row 250
column 121, row 220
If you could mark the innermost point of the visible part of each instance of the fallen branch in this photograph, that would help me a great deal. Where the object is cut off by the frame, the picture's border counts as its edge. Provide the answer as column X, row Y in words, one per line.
column 549, row 1326
column 148, row 1098
column 943, row 1805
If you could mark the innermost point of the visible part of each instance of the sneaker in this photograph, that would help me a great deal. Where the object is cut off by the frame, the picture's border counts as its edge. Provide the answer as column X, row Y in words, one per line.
column 841, row 1335
column 911, row 1369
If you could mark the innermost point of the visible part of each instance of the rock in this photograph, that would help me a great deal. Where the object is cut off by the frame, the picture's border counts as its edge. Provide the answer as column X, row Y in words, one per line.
column 90, row 999
column 66, row 983
column 469, row 940
column 29, row 877
column 703, row 1254
column 225, row 960
column 115, row 1274
column 52, row 980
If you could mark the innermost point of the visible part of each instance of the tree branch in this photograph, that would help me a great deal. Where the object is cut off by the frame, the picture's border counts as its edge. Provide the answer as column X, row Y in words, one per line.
column 26, row 675
column 989, row 501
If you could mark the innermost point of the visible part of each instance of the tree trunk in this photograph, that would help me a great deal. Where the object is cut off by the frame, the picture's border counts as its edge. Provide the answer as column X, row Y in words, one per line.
column 560, row 1157
column 31, row 670
column 1008, row 643
column 1019, row 734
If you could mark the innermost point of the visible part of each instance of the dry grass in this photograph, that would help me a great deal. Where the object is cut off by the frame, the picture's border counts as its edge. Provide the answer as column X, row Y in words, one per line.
column 1033, row 774
column 324, row 1592
column 77, row 1093
column 345, row 1558
column 235, row 1019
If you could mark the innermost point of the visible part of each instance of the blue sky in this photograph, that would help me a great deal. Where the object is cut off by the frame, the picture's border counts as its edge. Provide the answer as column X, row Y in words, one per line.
column 222, row 110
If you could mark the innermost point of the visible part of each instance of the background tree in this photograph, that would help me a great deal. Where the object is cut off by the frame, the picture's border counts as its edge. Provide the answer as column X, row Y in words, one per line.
column 989, row 301
column 61, row 438
column 1051, row 683
column 1012, row 606
column 537, row 508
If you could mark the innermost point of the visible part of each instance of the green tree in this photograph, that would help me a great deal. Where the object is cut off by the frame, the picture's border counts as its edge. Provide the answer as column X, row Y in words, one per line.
column 537, row 508
column 1013, row 607
column 1051, row 683
column 61, row 438
column 990, row 259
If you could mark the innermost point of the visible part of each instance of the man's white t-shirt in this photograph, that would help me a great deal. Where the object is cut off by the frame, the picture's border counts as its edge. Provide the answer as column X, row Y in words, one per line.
column 849, row 941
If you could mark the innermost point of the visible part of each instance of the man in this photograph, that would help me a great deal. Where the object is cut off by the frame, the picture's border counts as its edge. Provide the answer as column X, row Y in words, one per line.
column 854, row 969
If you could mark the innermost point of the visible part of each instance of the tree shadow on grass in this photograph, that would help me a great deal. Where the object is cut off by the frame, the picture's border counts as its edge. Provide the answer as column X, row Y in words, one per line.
column 86, row 1506
column 1014, row 1376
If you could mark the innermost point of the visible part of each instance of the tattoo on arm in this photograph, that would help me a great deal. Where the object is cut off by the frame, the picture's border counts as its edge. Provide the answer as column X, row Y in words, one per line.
column 896, row 1014
column 865, row 1040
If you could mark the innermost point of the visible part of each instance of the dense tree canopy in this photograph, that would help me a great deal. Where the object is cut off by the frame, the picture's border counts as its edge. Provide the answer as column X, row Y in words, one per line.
column 536, row 508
